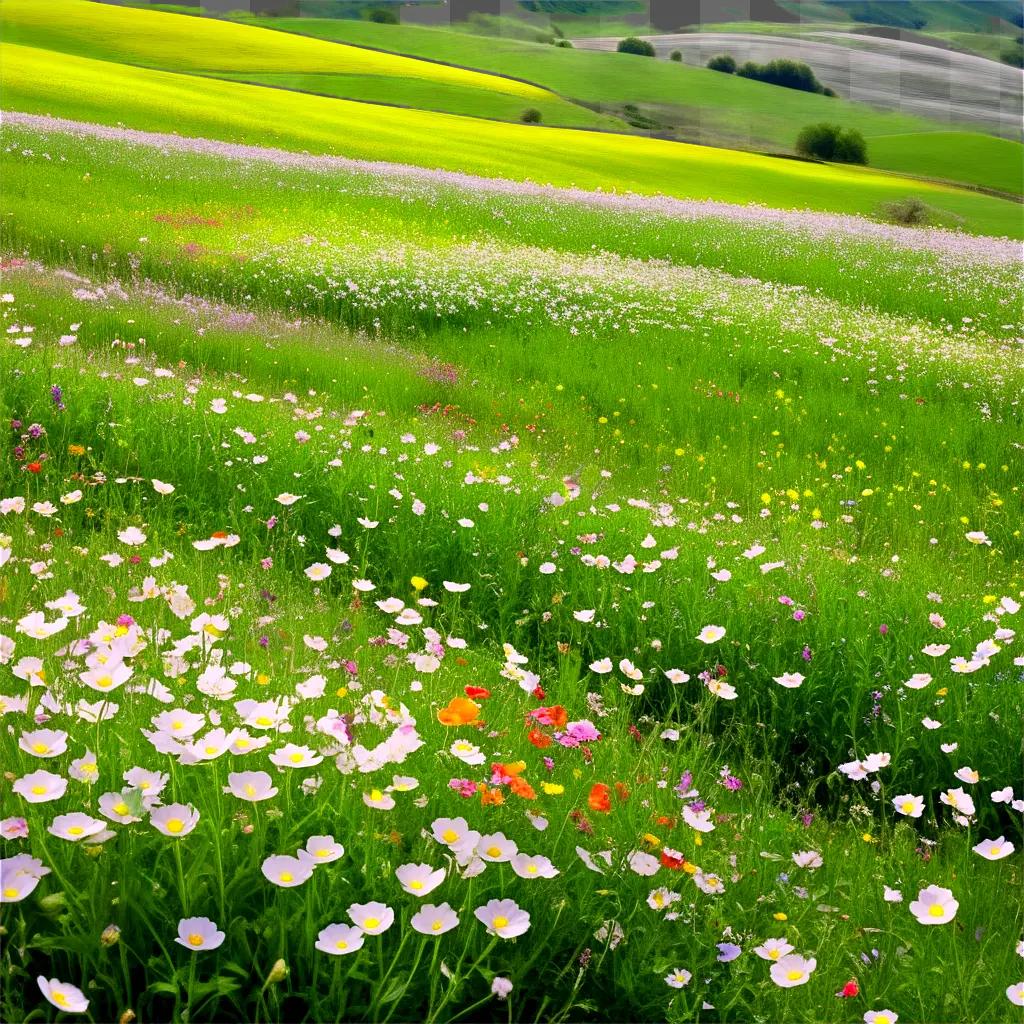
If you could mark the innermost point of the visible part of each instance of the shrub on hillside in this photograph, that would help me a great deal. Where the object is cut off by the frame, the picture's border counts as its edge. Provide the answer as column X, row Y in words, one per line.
column 723, row 62
column 832, row 142
column 910, row 212
column 631, row 44
column 676, row 55
column 1014, row 56
column 531, row 115
column 790, row 74
column 564, row 44
column 383, row 16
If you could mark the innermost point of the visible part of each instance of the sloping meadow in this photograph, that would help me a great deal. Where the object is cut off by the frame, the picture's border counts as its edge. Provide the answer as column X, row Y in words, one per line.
column 417, row 600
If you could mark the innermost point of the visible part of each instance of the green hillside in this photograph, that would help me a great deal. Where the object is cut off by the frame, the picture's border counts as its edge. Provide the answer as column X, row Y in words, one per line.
column 700, row 105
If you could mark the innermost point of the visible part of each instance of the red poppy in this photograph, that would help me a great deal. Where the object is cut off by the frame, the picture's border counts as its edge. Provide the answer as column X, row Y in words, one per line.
column 34, row 467
column 672, row 863
column 850, row 990
column 621, row 791
column 538, row 692
column 477, row 692
column 600, row 798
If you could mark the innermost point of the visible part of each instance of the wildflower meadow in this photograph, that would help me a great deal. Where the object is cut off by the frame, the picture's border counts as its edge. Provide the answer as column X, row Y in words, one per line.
column 436, row 597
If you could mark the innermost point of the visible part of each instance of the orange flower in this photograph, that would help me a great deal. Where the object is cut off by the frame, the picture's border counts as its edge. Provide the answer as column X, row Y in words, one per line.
column 522, row 788
column 600, row 798
column 459, row 711
column 489, row 797
column 621, row 791
column 539, row 739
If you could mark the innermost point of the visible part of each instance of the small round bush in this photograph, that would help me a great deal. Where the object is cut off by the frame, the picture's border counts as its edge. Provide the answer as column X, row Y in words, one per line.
column 383, row 16
column 723, row 62
column 631, row 44
column 832, row 142
column 563, row 44
column 531, row 115
column 910, row 212
column 676, row 55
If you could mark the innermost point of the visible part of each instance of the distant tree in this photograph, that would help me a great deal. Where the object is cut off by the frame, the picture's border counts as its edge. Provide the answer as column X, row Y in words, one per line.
column 631, row 44
column 791, row 74
column 383, row 16
column 564, row 44
column 832, row 142
column 723, row 62
column 676, row 55
column 531, row 115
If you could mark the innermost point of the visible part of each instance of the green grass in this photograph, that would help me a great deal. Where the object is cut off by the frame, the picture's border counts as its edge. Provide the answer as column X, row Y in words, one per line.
column 121, row 425
column 701, row 105
column 960, row 156
column 98, row 91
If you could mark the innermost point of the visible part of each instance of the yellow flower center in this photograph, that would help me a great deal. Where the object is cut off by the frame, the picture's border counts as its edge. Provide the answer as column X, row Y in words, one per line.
column 908, row 806
column 10, row 893
column 38, row 790
column 295, row 758
column 40, row 748
column 195, row 939
column 285, row 876
column 794, row 975
column 437, row 926
column 774, row 954
column 59, row 997
column 104, row 681
column 416, row 884
column 371, row 922
column 449, row 835
column 76, row 830
column 175, row 825
column 249, row 789
column 263, row 720
column 341, row 944
column 211, row 749
column 531, row 869
column 494, row 851
column 936, row 910
column 121, row 808
column 500, row 922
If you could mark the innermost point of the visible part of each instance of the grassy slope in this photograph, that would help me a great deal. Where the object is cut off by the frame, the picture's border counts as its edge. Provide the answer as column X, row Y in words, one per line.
column 712, row 108
column 38, row 81
column 978, row 159
column 173, row 42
